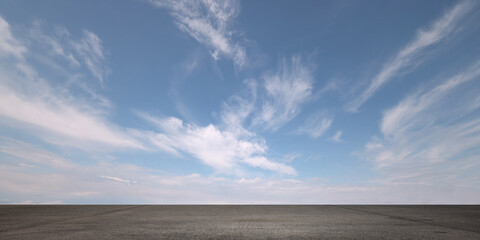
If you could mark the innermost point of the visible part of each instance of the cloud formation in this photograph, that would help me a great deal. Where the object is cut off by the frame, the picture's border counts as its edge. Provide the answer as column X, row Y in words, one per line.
column 57, row 115
column 337, row 137
column 224, row 150
column 90, row 49
column 240, row 107
column 9, row 46
column 410, row 55
column 286, row 90
column 210, row 22
column 29, row 101
column 51, row 42
column 110, row 182
column 432, row 136
column 51, row 84
column 315, row 125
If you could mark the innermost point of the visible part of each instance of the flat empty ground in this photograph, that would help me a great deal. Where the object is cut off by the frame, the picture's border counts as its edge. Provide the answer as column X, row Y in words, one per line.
column 239, row 222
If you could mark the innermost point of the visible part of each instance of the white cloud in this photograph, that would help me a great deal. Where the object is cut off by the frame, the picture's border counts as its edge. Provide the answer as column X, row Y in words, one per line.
column 286, row 91
column 223, row 150
column 229, row 147
column 315, row 125
column 91, row 50
column 59, row 118
column 49, row 42
column 33, row 156
column 337, row 137
column 30, row 102
column 117, row 179
column 410, row 55
column 54, row 113
column 210, row 23
column 404, row 116
column 9, row 46
column 109, row 183
column 432, row 136
column 239, row 107
column 53, row 41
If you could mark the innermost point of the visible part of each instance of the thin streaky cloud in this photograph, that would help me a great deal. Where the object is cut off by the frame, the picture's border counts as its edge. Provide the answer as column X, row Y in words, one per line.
column 316, row 125
column 117, row 179
column 196, row 112
column 54, row 42
column 9, row 46
column 240, row 107
column 403, row 116
column 27, row 99
column 210, row 22
column 33, row 156
column 90, row 48
column 287, row 89
column 113, row 180
column 87, row 51
column 224, row 150
column 410, row 55
column 427, row 138
column 337, row 137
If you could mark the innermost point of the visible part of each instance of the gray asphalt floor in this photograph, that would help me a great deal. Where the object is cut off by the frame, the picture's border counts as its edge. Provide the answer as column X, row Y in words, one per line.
column 239, row 222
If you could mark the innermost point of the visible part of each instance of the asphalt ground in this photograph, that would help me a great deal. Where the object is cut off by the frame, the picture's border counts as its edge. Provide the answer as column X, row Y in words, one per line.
column 239, row 222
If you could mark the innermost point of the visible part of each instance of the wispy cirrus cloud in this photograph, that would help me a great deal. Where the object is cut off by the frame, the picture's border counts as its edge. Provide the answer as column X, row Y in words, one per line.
column 53, row 112
column 432, row 135
column 337, row 137
column 411, row 55
column 59, row 116
column 57, row 42
column 240, row 107
column 57, row 120
column 315, row 125
column 286, row 90
column 224, row 150
column 210, row 22
column 90, row 49
column 9, row 45
column 117, row 179
column 113, row 182
column 32, row 156
column 85, row 52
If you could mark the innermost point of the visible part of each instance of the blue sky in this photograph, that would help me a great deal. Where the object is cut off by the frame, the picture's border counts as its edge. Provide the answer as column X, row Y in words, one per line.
column 239, row 101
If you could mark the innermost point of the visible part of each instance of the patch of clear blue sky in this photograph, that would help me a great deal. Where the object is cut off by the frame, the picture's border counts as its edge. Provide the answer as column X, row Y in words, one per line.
column 348, row 42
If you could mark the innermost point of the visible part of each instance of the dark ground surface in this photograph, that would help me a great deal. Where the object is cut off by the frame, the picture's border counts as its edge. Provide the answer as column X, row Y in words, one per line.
column 239, row 222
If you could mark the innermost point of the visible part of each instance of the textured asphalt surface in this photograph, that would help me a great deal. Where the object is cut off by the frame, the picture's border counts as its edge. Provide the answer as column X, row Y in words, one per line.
column 239, row 222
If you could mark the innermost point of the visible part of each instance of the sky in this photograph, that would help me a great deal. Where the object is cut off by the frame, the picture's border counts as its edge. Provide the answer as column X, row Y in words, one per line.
column 239, row 102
